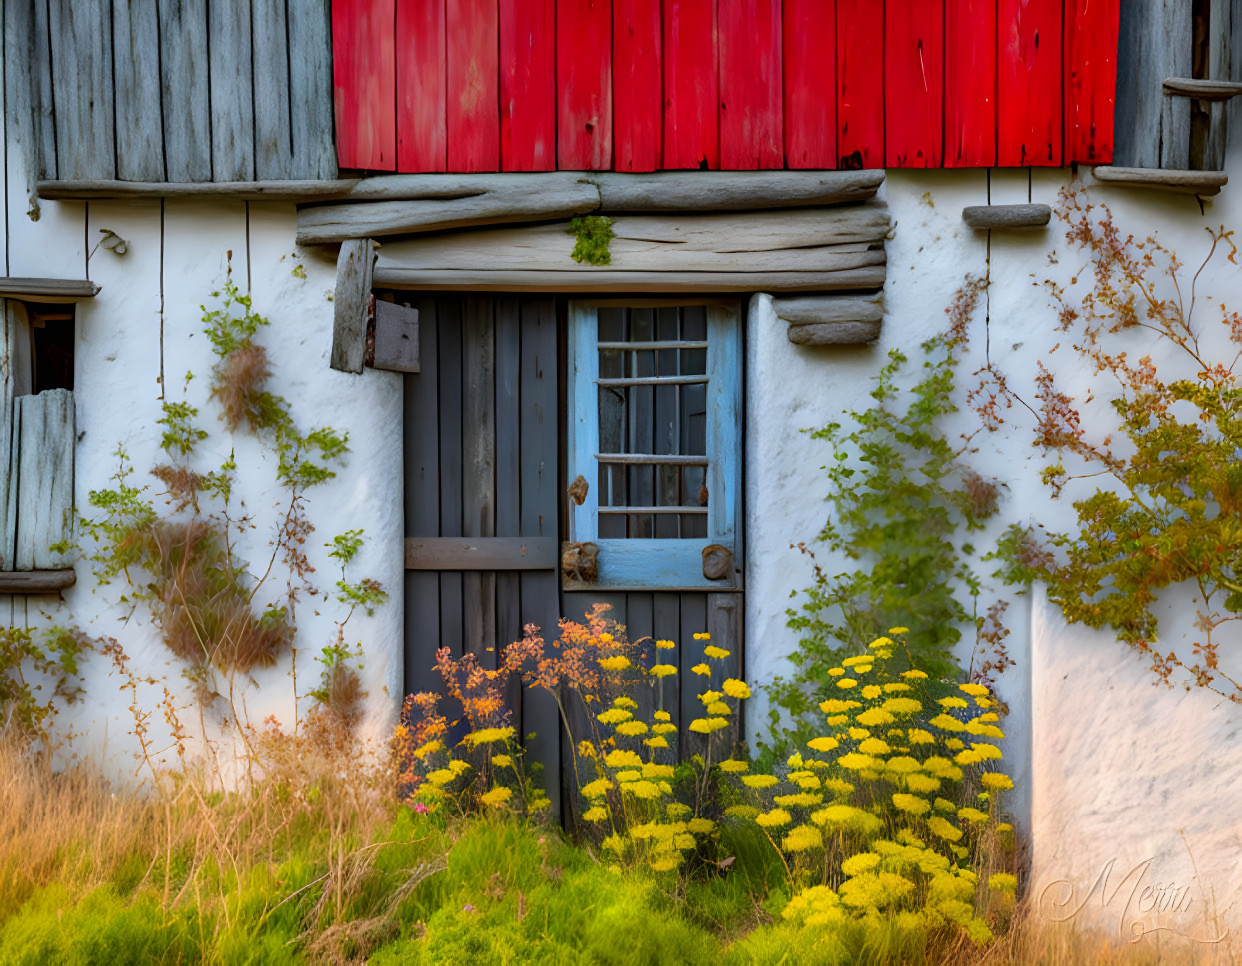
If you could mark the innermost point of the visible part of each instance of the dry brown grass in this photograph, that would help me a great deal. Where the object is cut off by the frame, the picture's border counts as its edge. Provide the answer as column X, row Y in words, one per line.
column 319, row 793
column 1036, row 941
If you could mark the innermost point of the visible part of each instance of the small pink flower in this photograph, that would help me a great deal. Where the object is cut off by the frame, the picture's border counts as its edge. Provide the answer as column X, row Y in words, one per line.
column 421, row 808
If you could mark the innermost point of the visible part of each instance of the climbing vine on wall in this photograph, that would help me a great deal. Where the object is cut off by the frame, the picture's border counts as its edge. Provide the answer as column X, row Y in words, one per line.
column 1158, row 494
column 179, row 558
column 903, row 502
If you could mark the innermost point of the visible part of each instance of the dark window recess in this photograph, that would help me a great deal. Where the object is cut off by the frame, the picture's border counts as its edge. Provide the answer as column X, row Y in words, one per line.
column 51, row 337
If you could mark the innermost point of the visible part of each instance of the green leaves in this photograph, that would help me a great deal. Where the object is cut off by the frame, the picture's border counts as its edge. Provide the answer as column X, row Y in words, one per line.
column 1168, row 511
column 899, row 502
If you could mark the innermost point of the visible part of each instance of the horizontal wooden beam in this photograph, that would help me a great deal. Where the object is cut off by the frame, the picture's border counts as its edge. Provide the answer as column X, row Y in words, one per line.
column 834, row 333
column 1006, row 216
column 1202, row 89
column 36, row 581
column 408, row 204
column 1165, row 179
column 732, row 190
column 387, row 276
column 481, row 553
column 832, row 319
column 291, row 191
column 48, row 289
column 511, row 198
column 789, row 240
column 810, row 309
column 670, row 564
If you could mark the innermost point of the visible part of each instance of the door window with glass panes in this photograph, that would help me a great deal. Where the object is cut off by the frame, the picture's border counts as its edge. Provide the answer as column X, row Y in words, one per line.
column 654, row 431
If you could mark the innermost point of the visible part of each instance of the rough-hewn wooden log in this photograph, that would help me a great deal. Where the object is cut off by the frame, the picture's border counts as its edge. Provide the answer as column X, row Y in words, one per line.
column 516, row 201
column 351, row 304
column 408, row 187
column 48, row 289
column 36, row 581
column 812, row 239
column 1006, row 216
column 395, row 347
column 439, row 202
column 732, row 190
column 813, row 309
column 1186, row 182
column 291, row 191
column 480, row 553
column 834, row 333
column 871, row 276
column 43, row 436
column 1202, row 90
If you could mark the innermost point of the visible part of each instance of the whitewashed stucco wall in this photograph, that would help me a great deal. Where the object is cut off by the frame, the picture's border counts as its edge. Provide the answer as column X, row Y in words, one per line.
column 145, row 326
column 1108, row 765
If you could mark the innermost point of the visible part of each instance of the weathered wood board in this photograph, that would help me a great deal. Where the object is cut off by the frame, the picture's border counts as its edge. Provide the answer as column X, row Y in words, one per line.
column 811, row 240
column 506, row 203
column 1152, row 130
column 126, row 91
column 395, row 347
column 43, row 439
column 867, row 277
column 351, row 304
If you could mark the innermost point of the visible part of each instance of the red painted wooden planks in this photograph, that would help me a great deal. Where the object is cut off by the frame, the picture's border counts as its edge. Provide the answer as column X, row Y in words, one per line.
column 1029, row 83
column 860, row 84
column 914, row 84
column 1090, row 79
column 751, row 102
column 364, row 86
column 421, row 133
column 527, row 85
column 810, row 65
column 636, row 88
column 970, row 83
column 473, row 108
column 691, row 123
column 584, row 84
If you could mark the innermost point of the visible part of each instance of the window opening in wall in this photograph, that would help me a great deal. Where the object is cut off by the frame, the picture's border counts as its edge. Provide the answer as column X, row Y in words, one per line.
column 653, row 422
column 52, row 340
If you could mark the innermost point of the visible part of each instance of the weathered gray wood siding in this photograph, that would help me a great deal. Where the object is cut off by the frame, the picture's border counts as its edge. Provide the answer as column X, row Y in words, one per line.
column 482, row 447
column 481, row 462
column 171, row 90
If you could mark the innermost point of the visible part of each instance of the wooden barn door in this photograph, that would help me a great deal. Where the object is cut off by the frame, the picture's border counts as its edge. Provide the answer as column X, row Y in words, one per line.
column 654, row 426
column 651, row 418
column 481, row 493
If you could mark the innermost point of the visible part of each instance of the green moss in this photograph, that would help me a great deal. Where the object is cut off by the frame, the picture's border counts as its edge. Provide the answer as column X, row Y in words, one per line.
column 594, row 234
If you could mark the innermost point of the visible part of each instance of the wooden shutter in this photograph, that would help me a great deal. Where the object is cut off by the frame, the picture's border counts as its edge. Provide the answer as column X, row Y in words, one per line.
column 37, row 435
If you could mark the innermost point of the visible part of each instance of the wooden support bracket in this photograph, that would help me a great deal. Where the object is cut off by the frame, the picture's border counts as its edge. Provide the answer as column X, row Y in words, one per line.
column 48, row 289
column 990, row 217
column 1203, row 183
column 392, row 340
column 351, row 304
column 832, row 319
column 1201, row 89
column 36, row 581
